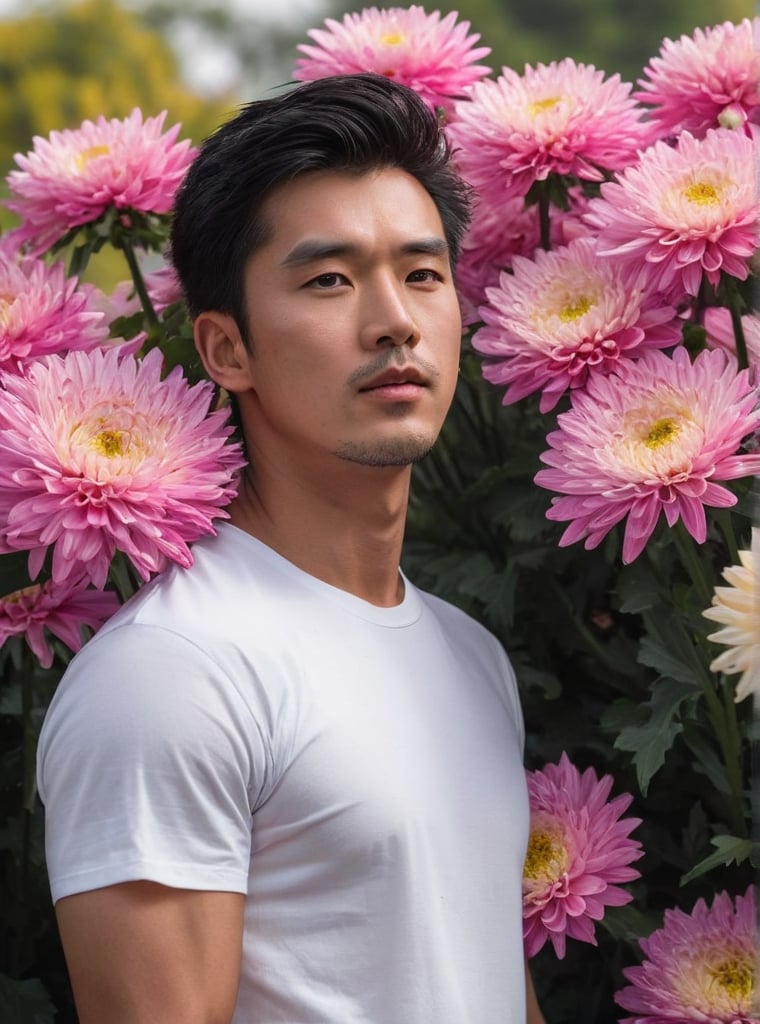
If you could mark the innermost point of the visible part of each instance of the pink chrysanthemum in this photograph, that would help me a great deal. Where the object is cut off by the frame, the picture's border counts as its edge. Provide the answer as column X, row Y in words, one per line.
column 495, row 236
column 163, row 287
column 699, row 967
column 720, row 332
column 42, row 311
column 499, row 233
column 692, row 211
column 578, row 851
column 562, row 118
column 565, row 315
column 73, row 177
column 708, row 80
column 98, row 453
column 434, row 56
column 652, row 438
column 61, row 609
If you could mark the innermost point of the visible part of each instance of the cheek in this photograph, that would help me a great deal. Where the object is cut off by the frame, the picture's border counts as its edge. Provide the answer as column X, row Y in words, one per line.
column 452, row 347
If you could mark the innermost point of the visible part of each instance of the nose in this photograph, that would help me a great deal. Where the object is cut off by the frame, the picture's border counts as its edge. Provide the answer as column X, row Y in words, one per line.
column 387, row 319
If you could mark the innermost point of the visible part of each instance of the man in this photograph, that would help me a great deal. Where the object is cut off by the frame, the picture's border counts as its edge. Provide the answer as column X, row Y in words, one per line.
column 285, row 785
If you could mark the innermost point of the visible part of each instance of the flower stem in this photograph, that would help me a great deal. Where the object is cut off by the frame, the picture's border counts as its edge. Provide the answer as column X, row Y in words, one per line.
column 725, row 522
column 725, row 727
column 734, row 759
column 722, row 715
column 735, row 304
column 693, row 563
column 544, row 219
column 139, row 281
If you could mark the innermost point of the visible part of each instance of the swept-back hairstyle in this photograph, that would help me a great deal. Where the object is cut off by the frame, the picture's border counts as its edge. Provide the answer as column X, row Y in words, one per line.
column 348, row 123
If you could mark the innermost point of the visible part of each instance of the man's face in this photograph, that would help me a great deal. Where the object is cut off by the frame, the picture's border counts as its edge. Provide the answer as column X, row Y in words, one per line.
column 353, row 321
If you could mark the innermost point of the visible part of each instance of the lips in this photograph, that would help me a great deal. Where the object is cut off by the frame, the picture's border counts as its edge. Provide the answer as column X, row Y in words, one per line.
column 396, row 377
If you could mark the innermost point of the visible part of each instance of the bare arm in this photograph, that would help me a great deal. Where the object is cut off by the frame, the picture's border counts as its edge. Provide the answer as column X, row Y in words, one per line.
column 141, row 952
column 534, row 1015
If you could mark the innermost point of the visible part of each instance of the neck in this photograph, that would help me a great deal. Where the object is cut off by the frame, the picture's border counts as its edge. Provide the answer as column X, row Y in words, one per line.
column 345, row 528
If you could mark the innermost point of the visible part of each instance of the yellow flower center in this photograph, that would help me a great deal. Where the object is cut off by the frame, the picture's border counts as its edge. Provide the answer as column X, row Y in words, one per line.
column 83, row 158
column 575, row 309
column 702, row 193
column 546, row 856
column 392, row 38
column 736, row 977
column 662, row 432
column 108, row 443
column 539, row 106
column 19, row 595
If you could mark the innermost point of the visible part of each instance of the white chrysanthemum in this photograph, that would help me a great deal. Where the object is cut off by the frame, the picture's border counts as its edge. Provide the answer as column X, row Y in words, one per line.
column 737, row 608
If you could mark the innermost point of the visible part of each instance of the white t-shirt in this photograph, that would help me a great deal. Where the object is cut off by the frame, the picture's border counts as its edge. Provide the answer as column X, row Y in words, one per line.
column 356, row 771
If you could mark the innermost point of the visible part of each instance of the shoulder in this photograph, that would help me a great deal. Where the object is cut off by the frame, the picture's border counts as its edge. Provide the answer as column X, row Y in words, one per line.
column 462, row 627
column 474, row 646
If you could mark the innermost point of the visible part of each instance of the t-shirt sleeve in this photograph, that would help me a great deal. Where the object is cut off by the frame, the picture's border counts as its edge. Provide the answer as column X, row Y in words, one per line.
column 512, row 694
column 149, row 765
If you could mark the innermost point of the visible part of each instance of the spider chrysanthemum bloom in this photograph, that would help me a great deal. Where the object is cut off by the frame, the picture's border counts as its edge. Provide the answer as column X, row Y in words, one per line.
column 434, row 56
column 707, row 80
column 564, row 315
column 699, row 967
column 75, row 175
column 61, row 609
column 692, row 210
column 42, row 311
column 737, row 609
column 98, row 453
column 562, row 118
column 579, row 851
column 651, row 439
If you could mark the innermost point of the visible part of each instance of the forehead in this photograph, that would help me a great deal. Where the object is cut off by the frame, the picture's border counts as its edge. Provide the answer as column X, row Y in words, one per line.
column 381, row 206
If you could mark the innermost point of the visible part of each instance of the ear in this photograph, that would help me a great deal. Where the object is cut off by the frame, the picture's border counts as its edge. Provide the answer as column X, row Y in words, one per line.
column 223, row 351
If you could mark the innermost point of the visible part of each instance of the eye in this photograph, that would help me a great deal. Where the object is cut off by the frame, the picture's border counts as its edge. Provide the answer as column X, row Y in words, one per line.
column 326, row 281
column 424, row 277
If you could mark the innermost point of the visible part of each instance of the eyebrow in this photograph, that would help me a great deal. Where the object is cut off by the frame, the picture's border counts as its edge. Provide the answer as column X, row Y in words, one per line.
column 311, row 250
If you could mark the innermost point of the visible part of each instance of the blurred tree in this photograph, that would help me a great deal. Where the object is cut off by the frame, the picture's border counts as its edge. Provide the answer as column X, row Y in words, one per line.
column 243, row 51
column 77, row 60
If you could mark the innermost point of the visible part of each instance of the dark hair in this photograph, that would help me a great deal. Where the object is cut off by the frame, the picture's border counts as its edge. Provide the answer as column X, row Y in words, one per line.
column 354, row 123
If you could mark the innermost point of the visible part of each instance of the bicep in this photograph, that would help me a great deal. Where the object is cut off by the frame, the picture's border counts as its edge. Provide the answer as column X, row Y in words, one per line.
column 140, row 952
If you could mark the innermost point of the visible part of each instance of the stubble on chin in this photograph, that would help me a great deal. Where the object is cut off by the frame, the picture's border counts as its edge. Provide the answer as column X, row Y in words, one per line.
column 398, row 452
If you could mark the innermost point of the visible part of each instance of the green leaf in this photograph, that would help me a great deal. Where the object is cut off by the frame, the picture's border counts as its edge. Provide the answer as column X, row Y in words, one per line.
column 730, row 850
column 24, row 1002
column 10, row 698
column 529, row 677
column 668, row 648
column 498, row 595
column 707, row 758
column 637, row 590
column 623, row 714
column 651, row 739
column 628, row 923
